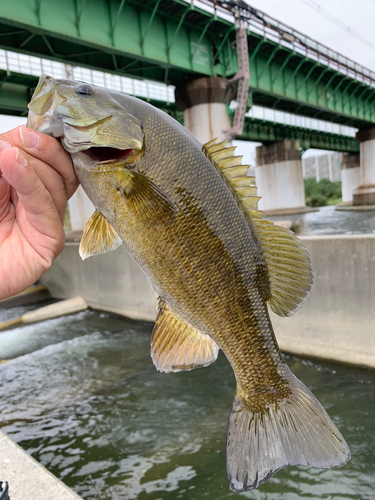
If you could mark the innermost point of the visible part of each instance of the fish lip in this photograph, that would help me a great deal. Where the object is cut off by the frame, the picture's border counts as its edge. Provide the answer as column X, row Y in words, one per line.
column 89, row 126
column 108, row 166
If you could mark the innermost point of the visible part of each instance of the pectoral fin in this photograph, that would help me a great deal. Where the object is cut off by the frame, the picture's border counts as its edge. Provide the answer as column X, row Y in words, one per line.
column 98, row 237
column 145, row 199
column 177, row 346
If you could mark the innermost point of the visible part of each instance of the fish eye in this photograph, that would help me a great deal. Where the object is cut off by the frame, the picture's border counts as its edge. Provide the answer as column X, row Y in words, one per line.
column 84, row 90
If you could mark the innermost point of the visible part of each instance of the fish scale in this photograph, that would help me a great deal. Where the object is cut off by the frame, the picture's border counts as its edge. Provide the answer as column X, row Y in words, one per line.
column 188, row 215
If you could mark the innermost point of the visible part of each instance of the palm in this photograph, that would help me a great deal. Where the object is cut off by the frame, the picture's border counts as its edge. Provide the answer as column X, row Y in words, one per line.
column 33, row 196
column 26, row 252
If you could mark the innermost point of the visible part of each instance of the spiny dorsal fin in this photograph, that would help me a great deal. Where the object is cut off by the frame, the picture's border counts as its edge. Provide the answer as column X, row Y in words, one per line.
column 98, row 237
column 288, row 263
column 177, row 346
column 233, row 173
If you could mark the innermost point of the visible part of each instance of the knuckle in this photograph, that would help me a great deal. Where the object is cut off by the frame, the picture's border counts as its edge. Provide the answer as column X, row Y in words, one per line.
column 51, row 144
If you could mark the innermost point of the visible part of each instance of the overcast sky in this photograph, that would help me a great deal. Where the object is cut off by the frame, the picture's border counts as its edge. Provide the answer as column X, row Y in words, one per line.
column 358, row 16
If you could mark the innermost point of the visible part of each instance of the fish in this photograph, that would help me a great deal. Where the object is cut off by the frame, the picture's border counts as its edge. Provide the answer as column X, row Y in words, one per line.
column 188, row 214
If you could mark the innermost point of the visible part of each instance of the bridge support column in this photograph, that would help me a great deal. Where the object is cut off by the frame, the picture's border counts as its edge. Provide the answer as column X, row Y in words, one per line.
column 203, row 103
column 279, row 177
column 80, row 210
column 365, row 193
column 349, row 176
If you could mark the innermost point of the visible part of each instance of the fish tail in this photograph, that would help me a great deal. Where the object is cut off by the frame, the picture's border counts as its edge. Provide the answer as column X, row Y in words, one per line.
column 296, row 431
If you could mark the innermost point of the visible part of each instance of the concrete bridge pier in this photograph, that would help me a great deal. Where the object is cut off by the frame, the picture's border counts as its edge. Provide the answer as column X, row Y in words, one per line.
column 203, row 103
column 365, row 192
column 349, row 176
column 279, row 177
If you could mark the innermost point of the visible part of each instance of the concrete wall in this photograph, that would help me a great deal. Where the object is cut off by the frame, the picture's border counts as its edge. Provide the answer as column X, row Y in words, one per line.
column 112, row 282
column 276, row 152
column 207, row 121
column 367, row 159
column 364, row 194
column 350, row 181
column 337, row 322
column 279, row 177
column 281, row 185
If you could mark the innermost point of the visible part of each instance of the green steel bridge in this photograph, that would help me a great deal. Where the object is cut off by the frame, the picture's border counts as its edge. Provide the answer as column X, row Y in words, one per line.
column 16, row 91
column 171, row 41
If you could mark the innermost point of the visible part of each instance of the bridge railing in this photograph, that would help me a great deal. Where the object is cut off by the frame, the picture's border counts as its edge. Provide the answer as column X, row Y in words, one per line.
column 272, row 115
column 30, row 65
column 270, row 28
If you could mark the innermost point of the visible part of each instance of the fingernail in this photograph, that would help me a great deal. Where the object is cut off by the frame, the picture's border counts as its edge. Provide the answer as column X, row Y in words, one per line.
column 21, row 160
column 28, row 137
column 3, row 145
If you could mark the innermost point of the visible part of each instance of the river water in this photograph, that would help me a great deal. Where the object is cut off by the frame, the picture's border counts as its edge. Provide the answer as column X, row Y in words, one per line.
column 327, row 220
column 82, row 396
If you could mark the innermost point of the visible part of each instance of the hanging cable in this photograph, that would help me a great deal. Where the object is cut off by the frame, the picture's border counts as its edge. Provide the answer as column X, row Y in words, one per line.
column 335, row 20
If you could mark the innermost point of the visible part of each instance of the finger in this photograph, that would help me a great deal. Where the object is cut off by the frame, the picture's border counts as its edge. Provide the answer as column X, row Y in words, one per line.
column 37, row 203
column 4, row 198
column 4, row 189
column 47, row 149
column 52, row 181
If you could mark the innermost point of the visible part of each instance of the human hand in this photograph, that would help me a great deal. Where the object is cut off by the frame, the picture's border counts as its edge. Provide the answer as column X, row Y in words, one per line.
column 36, row 180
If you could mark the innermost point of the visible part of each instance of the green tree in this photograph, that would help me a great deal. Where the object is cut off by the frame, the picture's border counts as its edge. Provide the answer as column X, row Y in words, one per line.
column 322, row 193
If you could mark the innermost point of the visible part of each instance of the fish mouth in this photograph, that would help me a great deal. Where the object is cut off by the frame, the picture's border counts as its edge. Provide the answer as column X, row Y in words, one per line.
column 103, row 155
column 106, row 157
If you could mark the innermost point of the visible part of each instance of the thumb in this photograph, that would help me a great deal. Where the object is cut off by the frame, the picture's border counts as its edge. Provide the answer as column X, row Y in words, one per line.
column 40, row 210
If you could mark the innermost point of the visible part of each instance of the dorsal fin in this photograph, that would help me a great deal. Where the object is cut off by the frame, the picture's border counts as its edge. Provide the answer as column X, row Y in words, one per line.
column 177, row 346
column 288, row 262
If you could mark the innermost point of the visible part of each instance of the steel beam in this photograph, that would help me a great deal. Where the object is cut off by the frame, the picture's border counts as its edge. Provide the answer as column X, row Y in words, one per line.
column 16, row 91
column 169, row 40
column 257, row 130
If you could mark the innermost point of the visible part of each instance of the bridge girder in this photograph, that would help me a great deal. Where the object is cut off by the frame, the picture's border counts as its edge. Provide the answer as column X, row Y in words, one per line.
column 171, row 40
column 16, row 91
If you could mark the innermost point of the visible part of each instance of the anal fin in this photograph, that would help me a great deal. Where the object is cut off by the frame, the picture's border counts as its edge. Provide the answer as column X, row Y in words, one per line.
column 177, row 346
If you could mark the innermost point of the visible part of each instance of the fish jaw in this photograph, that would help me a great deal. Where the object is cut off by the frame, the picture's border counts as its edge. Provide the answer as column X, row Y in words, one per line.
column 60, row 109
column 44, row 102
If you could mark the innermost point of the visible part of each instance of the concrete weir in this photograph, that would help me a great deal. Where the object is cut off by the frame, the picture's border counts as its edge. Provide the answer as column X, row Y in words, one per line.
column 336, row 323
column 27, row 479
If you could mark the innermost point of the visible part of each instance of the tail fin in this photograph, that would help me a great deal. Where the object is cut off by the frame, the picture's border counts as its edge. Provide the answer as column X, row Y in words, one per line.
column 298, row 431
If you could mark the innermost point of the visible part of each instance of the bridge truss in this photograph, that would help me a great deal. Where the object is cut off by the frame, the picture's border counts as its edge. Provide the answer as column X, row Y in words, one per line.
column 172, row 40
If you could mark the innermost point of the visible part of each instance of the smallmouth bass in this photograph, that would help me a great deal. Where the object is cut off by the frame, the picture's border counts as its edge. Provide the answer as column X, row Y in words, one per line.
column 188, row 215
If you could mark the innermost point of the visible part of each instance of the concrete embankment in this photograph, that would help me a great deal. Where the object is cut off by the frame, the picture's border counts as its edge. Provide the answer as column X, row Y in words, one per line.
column 337, row 322
column 27, row 479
